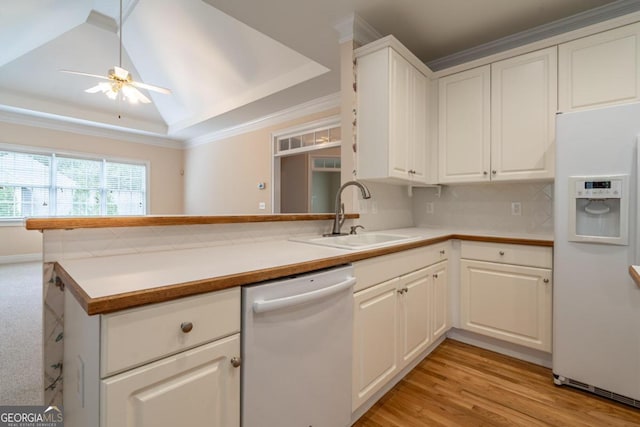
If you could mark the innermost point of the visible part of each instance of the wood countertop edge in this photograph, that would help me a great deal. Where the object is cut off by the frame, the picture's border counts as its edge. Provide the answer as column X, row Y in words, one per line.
column 634, row 275
column 156, row 221
column 112, row 303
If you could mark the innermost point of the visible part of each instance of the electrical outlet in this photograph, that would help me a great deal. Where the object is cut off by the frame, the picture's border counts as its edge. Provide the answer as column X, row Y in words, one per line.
column 516, row 208
column 262, row 205
column 430, row 208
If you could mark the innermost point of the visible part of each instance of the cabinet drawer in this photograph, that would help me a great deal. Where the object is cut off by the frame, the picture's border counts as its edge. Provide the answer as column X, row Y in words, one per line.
column 372, row 271
column 132, row 337
column 534, row 256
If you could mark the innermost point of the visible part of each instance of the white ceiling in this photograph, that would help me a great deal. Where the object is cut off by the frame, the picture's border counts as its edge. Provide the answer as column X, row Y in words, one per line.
column 226, row 61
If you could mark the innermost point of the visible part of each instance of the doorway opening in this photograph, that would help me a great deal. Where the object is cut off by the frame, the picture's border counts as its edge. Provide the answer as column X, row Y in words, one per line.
column 306, row 168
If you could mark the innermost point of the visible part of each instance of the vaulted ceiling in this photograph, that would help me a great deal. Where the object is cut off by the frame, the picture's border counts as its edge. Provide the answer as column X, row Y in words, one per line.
column 226, row 61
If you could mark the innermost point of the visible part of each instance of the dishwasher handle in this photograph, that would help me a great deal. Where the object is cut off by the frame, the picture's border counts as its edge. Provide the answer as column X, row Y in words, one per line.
column 278, row 303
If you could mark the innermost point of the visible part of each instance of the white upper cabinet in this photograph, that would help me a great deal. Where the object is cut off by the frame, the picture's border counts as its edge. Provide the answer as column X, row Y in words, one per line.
column 464, row 132
column 524, row 102
column 392, row 90
column 602, row 69
column 496, row 122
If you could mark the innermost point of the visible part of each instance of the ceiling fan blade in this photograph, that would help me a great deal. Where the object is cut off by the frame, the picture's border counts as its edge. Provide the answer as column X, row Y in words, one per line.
column 94, row 89
column 134, row 95
column 85, row 74
column 151, row 87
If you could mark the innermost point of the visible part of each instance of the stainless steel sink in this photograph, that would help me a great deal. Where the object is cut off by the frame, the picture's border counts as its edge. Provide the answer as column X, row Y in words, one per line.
column 356, row 241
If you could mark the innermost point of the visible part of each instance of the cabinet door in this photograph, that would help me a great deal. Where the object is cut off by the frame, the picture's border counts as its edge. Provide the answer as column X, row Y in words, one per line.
column 375, row 334
column 400, row 109
column 464, row 126
column 602, row 69
column 414, row 299
column 440, row 322
column 508, row 302
column 195, row 388
column 523, row 108
column 419, row 119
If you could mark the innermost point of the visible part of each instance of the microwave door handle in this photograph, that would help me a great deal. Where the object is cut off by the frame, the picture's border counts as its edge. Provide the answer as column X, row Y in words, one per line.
column 279, row 303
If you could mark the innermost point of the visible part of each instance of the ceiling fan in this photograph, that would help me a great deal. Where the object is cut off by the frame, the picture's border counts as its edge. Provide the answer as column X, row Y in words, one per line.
column 119, row 80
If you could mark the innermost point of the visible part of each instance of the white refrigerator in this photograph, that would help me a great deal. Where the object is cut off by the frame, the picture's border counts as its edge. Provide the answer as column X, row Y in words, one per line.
column 596, row 304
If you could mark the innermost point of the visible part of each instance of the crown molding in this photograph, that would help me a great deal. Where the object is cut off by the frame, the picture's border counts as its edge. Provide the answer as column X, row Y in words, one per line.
column 555, row 28
column 307, row 108
column 354, row 28
column 24, row 117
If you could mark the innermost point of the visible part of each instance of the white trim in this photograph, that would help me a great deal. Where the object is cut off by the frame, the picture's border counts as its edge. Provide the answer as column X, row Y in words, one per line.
column 301, row 150
column 307, row 108
column 354, row 28
column 316, row 125
column 16, row 259
column 555, row 28
column 363, row 32
column 13, row 115
column 12, row 222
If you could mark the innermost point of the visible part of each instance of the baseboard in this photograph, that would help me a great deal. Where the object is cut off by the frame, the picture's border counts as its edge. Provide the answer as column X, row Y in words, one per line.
column 16, row 259
column 508, row 349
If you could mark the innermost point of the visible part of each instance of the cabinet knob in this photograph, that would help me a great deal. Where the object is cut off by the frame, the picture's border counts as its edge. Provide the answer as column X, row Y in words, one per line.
column 236, row 361
column 493, row 172
column 442, row 252
column 403, row 291
column 545, row 280
column 435, row 276
column 186, row 327
column 484, row 173
column 501, row 253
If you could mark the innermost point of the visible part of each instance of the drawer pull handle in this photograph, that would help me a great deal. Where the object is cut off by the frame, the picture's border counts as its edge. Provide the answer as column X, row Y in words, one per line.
column 186, row 327
column 236, row 361
column 501, row 252
column 403, row 291
column 545, row 280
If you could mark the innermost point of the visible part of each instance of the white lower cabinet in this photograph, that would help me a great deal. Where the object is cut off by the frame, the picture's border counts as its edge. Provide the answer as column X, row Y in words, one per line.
column 511, row 302
column 174, row 363
column 195, row 388
column 394, row 322
column 375, row 333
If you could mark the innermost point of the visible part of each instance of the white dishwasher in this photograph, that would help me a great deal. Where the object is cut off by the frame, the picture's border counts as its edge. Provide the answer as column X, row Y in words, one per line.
column 296, row 350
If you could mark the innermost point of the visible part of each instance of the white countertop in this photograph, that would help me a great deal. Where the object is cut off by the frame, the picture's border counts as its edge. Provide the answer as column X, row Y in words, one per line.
column 101, row 277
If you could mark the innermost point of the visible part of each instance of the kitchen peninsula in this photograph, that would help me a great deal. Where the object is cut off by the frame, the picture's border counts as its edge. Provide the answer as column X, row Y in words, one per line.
column 113, row 266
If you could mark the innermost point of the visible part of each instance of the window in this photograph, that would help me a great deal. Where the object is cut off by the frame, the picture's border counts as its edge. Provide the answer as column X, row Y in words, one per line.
column 313, row 138
column 59, row 185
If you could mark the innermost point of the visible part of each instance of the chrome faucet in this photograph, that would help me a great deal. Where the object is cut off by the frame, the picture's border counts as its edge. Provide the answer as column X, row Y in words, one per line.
column 339, row 219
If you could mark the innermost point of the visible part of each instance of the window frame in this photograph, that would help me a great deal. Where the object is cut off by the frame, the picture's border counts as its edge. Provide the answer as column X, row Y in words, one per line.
column 54, row 154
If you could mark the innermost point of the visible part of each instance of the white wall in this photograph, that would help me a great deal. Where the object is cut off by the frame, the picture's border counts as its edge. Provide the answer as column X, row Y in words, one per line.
column 165, row 183
column 222, row 177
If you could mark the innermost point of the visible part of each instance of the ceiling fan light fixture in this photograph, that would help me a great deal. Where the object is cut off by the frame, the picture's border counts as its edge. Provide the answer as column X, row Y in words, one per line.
column 120, row 79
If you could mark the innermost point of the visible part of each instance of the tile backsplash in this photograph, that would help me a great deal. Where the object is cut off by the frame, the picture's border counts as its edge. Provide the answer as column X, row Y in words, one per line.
column 487, row 207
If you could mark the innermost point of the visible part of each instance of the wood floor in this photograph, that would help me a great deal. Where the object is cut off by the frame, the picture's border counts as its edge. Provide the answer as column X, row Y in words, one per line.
column 462, row 385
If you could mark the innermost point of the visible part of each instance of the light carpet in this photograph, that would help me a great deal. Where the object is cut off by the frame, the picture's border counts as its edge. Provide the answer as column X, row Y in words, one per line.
column 21, row 380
